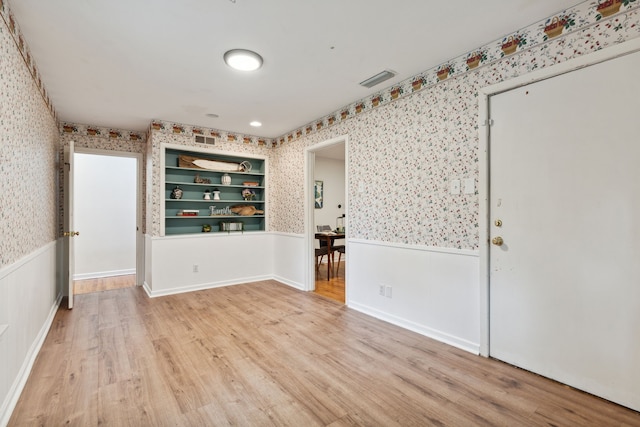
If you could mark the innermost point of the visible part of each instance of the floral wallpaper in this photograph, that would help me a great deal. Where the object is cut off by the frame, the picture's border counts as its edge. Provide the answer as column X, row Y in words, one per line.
column 408, row 141
column 172, row 128
column 28, row 150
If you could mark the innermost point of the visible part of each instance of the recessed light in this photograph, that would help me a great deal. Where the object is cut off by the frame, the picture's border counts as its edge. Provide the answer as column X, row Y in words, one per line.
column 243, row 60
column 255, row 124
column 212, row 115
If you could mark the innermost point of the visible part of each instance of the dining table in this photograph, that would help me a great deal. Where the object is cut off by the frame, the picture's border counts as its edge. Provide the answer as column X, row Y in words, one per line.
column 328, row 238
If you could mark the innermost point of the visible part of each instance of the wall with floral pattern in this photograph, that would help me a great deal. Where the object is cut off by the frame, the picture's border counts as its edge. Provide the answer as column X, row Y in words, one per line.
column 28, row 149
column 408, row 141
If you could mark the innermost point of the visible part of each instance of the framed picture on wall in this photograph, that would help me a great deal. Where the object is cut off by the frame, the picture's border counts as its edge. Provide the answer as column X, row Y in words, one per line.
column 319, row 190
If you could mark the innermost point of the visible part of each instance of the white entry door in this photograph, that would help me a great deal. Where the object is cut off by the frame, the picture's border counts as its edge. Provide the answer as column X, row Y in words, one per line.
column 69, row 233
column 564, row 161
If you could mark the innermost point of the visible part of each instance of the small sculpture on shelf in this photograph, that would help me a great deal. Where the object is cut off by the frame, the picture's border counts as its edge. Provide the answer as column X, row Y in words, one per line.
column 246, row 210
column 199, row 180
column 248, row 194
column 225, row 179
column 206, row 228
column 216, row 194
column 213, row 211
column 176, row 193
column 207, row 195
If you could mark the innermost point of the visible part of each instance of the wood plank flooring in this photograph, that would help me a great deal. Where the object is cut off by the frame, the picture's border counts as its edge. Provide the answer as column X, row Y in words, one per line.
column 100, row 284
column 333, row 288
column 264, row 354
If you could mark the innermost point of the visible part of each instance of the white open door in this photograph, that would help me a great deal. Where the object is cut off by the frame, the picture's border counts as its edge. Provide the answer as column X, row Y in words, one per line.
column 69, row 233
column 564, row 211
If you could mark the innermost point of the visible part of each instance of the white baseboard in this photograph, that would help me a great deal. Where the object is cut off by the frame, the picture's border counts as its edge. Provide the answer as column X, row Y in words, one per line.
column 296, row 285
column 100, row 274
column 422, row 330
column 200, row 287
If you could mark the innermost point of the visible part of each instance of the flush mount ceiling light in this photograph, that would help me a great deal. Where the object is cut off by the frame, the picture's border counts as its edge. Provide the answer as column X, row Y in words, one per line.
column 255, row 124
column 378, row 78
column 243, row 60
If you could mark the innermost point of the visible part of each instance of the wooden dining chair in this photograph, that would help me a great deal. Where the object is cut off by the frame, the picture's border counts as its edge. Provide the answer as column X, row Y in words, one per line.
column 341, row 250
column 320, row 252
column 323, row 244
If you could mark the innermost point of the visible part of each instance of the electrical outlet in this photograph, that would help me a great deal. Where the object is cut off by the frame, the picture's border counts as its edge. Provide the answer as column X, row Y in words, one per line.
column 388, row 291
column 195, row 268
column 381, row 290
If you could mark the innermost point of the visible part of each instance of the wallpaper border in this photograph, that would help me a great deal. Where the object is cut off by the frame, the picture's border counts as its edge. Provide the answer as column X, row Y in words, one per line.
column 554, row 28
column 23, row 48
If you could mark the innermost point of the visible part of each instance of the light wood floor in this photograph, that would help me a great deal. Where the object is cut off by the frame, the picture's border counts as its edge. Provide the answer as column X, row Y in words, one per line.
column 87, row 286
column 264, row 354
column 333, row 288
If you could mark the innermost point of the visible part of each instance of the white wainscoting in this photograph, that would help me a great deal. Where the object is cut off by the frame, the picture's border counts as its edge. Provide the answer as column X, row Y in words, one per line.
column 434, row 291
column 289, row 259
column 221, row 259
column 29, row 298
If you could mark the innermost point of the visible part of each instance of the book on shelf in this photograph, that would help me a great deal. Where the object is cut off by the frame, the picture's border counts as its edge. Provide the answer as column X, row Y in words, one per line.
column 188, row 212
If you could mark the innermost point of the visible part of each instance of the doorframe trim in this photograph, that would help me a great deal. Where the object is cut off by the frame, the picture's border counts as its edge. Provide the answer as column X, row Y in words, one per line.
column 309, row 208
column 140, row 247
column 484, row 121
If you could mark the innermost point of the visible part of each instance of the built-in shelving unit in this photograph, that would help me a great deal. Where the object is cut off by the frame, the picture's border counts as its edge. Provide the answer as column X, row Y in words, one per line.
column 183, row 175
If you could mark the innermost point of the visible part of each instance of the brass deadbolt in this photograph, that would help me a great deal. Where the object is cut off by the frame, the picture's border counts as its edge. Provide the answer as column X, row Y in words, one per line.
column 498, row 223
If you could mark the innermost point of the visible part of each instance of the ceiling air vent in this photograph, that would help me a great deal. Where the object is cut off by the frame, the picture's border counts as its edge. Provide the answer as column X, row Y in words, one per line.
column 378, row 78
column 207, row 140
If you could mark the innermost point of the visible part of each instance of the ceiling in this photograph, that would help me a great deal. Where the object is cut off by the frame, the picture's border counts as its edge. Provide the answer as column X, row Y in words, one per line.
column 122, row 63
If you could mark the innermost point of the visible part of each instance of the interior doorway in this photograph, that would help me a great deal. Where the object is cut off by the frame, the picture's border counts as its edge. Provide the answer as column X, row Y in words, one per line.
column 106, row 212
column 327, row 207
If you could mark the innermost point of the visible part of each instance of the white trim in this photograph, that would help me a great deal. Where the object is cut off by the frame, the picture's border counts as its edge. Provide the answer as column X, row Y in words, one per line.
column 100, row 274
column 139, row 270
column 420, row 329
column 212, row 235
column 203, row 286
column 23, row 375
column 485, row 94
column 309, row 208
column 5, row 271
column 296, row 285
column 424, row 248
column 283, row 234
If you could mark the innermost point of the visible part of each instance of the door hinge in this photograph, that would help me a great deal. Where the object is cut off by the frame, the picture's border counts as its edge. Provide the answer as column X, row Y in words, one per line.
column 487, row 122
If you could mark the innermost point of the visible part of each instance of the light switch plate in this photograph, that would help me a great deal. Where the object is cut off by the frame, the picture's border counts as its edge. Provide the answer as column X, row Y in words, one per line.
column 455, row 186
column 469, row 186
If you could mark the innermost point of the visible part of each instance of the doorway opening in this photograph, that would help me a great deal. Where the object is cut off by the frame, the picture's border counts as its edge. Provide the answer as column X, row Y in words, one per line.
column 106, row 212
column 326, row 212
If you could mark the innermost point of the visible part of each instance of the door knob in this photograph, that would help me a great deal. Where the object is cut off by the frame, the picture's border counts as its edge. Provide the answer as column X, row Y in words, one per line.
column 497, row 241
